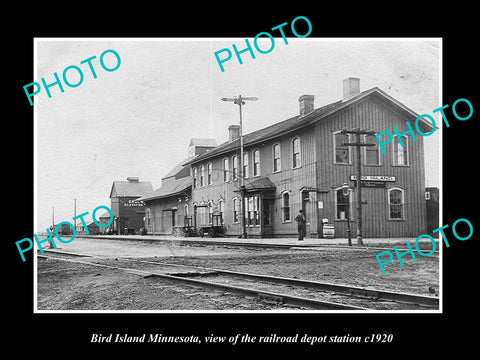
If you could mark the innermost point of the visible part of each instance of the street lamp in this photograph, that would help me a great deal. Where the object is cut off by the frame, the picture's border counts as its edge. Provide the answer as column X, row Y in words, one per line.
column 241, row 101
column 346, row 194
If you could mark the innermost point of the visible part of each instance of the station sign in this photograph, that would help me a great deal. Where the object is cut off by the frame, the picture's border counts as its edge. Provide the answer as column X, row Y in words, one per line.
column 373, row 181
column 133, row 203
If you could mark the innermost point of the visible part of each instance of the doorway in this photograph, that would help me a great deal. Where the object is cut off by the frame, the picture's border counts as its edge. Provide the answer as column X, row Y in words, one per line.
column 306, row 212
column 267, row 217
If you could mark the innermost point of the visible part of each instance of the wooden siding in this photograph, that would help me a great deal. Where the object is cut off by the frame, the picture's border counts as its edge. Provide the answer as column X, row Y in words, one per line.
column 318, row 171
column 286, row 180
column 373, row 114
column 161, row 214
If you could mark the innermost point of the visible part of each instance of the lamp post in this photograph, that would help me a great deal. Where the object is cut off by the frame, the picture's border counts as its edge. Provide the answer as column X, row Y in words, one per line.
column 346, row 194
column 241, row 101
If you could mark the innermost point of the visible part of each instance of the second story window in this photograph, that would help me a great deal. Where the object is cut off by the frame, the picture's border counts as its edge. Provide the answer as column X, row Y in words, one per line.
column 372, row 153
column 195, row 177
column 342, row 153
column 277, row 163
column 400, row 153
column 245, row 164
column 296, row 157
column 256, row 163
column 202, row 175
column 234, row 167
column 209, row 173
column 226, row 175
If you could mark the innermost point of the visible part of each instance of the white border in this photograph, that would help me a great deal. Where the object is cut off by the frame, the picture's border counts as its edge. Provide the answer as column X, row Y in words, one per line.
column 35, row 144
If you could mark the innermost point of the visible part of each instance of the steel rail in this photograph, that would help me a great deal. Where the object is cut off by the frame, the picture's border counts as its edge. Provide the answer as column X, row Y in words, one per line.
column 370, row 293
column 376, row 294
column 283, row 298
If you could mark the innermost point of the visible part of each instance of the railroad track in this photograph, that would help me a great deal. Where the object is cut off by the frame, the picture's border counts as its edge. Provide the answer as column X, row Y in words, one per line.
column 301, row 293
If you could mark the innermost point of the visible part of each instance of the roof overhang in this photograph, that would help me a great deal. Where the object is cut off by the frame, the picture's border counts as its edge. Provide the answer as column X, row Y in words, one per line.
column 312, row 118
column 154, row 196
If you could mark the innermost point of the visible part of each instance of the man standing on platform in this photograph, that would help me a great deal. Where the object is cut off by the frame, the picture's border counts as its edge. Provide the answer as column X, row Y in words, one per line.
column 301, row 222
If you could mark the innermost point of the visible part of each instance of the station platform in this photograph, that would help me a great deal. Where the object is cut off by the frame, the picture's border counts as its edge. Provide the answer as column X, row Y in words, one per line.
column 385, row 243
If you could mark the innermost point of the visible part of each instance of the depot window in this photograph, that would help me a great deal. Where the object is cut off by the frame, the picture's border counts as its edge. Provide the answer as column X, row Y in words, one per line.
column 296, row 156
column 372, row 153
column 221, row 207
column 209, row 173
column 226, row 175
column 234, row 167
column 202, row 175
column 256, row 163
column 342, row 152
column 343, row 205
column 286, row 207
column 252, row 216
column 245, row 164
column 236, row 210
column 195, row 177
column 396, row 201
column 400, row 153
column 277, row 161
column 148, row 216
column 210, row 212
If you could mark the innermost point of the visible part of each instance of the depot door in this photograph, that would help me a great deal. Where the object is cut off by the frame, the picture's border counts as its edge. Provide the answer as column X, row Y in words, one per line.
column 168, row 221
column 267, row 208
column 306, row 211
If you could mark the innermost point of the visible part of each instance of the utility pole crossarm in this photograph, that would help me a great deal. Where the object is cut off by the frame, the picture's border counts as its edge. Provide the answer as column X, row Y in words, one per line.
column 240, row 100
column 358, row 131
column 358, row 144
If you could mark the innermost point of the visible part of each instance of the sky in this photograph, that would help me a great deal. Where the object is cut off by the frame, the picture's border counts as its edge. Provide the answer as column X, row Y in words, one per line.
column 139, row 119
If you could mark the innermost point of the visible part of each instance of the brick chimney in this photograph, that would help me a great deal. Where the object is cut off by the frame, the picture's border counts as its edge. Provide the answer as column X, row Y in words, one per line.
column 133, row 179
column 233, row 132
column 306, row 104
column 351, row 87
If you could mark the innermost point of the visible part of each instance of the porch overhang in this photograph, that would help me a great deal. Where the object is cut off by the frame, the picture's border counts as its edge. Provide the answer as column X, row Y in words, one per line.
column 258, row 185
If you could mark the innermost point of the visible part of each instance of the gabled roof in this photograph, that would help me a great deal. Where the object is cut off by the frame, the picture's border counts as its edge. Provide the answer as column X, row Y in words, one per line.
column 106, row 214
column 298, row 122
column 130, row 189
column 177, row 169
column 260, row 184
column 173, row 187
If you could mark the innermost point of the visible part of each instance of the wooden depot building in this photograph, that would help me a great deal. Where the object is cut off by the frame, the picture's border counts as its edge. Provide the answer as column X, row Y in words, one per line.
column 301, row 163
column 169, row 207
column 128, row 212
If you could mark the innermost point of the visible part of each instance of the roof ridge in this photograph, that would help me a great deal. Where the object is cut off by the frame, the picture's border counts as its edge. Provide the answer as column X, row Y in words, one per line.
column 307, row 119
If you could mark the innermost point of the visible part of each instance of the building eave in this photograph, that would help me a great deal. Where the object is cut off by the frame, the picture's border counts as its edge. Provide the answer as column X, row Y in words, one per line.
column 308, row 120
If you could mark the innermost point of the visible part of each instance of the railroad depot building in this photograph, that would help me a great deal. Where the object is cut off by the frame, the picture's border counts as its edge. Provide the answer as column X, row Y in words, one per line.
column 169, row 207
column 127, row 211
column 301, row 163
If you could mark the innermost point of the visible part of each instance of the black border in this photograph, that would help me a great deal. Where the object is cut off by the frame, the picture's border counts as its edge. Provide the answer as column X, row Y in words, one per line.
column 413, row 333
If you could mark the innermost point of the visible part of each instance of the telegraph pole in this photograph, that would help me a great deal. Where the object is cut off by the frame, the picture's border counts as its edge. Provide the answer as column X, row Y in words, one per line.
column 52, row 227
column 358, row 144
column 75, row 214
column 241, row 101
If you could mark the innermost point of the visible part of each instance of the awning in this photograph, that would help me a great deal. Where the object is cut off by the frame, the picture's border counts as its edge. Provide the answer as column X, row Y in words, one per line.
column 173, row 188
column 259, row 185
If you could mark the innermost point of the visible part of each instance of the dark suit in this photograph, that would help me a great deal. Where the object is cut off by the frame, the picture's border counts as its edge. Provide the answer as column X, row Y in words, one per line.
column 301, row 221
